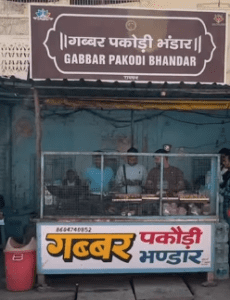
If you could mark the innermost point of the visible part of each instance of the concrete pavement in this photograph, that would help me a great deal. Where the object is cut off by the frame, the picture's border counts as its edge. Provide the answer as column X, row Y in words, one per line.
column 121, row 287
column 63, row 287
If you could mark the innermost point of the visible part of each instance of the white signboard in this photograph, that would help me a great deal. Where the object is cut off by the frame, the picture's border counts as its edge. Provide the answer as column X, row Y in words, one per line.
column 114, row 248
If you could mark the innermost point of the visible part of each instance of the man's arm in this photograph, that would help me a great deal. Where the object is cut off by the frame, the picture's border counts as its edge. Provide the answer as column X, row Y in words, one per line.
column 109, row 178
column 77, row 181
column 64, row 182
column 149, row 185
column 119, row 180
column 180, row 181
column 144, row 176
column 225, row 189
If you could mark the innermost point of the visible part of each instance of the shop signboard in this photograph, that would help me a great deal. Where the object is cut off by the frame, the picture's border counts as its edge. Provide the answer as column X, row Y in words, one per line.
column 80, row 248
column 127, row 44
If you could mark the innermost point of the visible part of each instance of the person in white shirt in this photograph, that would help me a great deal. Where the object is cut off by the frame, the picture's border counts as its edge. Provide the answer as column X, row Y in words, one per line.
column 131, row 177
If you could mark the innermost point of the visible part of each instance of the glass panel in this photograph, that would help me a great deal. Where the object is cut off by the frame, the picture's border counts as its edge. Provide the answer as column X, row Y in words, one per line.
column 187, row 191
column 104, row 184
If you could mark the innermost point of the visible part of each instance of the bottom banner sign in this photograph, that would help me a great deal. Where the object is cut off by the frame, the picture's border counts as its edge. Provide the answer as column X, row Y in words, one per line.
column 114, row 248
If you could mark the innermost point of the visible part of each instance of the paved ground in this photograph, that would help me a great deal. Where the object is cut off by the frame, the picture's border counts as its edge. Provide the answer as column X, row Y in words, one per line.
column 121, row 287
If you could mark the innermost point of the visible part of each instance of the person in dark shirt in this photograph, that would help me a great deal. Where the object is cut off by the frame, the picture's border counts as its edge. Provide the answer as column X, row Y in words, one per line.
column 225, row 188
column 173, row 178
column 72, row 186
column 72, row 179
column 2, row 202
column 223, row 152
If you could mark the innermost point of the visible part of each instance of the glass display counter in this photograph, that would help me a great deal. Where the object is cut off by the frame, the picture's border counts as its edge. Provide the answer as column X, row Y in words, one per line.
column 91, row 222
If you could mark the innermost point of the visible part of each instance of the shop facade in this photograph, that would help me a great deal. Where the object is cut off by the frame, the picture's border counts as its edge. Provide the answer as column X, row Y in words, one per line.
column 77, row 112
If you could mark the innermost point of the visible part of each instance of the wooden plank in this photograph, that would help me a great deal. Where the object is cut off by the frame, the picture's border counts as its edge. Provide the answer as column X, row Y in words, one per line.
column 161, row 288
column 105, row 289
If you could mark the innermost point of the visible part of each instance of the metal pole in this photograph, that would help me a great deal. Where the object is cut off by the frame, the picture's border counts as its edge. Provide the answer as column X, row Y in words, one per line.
column 132, row 128
column 161, row 183
column 38, row 146
column 10, row 170
column 102, row 179
column 76, row 292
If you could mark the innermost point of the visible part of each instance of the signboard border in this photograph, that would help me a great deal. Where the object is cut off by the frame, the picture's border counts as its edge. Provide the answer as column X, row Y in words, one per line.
column 131, row 74
column 41, row 270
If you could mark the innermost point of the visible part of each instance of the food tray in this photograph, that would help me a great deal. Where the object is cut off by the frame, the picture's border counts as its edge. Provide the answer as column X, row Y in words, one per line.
column 170, row 198
column 149, row 197
column 193, row 198
column 126, row 200
column 156, row 197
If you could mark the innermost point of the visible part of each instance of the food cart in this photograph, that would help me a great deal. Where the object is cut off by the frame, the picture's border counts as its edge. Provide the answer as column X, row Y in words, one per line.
column 130, row 54
column 130, row 233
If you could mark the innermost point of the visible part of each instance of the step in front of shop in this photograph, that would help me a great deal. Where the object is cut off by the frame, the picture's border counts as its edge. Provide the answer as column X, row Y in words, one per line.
column 105, row 289
column 136, row 288
column 161, row 288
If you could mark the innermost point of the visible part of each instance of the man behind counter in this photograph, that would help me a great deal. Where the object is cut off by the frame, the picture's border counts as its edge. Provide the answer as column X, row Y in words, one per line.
column 93, row 178
column 72, row 179
column 131, row 177
column 173, row 179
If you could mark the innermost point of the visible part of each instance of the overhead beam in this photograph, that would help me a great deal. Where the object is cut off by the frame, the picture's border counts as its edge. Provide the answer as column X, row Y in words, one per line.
column 142, row 104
